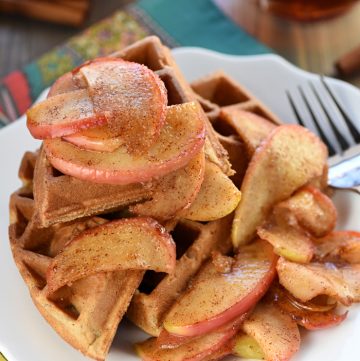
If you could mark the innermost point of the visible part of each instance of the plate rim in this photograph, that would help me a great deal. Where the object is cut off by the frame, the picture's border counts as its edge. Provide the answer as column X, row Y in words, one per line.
column 13, row 126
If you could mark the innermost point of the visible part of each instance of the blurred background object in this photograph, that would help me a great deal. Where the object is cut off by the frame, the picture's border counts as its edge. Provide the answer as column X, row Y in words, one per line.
column 315, row 46
column 34, row 53
column 349, row 64
column 24, row 39
column 68, row 12
column 307, row 10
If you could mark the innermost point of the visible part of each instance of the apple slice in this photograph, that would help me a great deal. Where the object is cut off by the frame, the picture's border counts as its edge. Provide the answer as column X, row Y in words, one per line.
column 275, row 331
column 318, row 320
column 343, row 246
column 98, row 139
column 288, row 241
column 305, row 314
column 308, row 281
column 175, row 191
column 289, row 158
column 169, row 340
column 180, row 140
column 64, row 84
column 313, row 210
column 246, row 347
column 134, row 243
column 193, row 349
column 63, row 114
column 133, row 96
column 217, row 198
column 250, row 127
column 215, row 298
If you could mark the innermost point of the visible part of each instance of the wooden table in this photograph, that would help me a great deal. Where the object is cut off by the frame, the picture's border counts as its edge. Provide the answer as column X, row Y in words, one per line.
column 312, row 46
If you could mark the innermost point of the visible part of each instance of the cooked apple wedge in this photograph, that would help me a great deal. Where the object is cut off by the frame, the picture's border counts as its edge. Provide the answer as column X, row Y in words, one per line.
column 289, row 158
column 343, row 246
column 175, row 191
column 288, row 241
column 197, row 348
column 246, row 347
column 310, row 316
column 98, row 139
column 134, row 243
column 133, row 96
column 308, row 281
column 313, row 210
column 275, row 331
column 251, row 128
column 217, row 198
column 192, row 351
column 215, row 298
column 63, row 114
column 169, row 340
column 64, row 84
column 180, row 140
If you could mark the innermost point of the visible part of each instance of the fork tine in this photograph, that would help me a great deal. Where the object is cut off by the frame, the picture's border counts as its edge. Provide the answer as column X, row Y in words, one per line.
column 353, row 130
column 294, row 109
column 316, row 123
column 344, row 144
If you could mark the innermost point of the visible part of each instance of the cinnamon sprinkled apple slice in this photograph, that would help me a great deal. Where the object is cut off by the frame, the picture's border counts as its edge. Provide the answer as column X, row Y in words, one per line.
column 286, row 160
column 216, row 298
column 342, row 282
column 192, row 349
column 339, row 246
column 134, row 243
column 133, row 96
column 97, row 139
column 312, row 209
column 63, row 114
column 217, row 198
column 180, row 140
column 289, row 241
column 127, row 96
column 275, row 331
column 65, row 84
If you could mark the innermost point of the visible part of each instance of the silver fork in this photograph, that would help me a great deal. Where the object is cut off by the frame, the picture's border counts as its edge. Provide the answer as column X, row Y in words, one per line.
column 317, row 112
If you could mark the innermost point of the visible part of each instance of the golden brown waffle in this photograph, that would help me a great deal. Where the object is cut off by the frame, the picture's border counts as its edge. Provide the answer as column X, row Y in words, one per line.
column 85, row 314
column 61, row 198
column 26, row 170
column 224, row 102
column 194, row 244
column 217, row 92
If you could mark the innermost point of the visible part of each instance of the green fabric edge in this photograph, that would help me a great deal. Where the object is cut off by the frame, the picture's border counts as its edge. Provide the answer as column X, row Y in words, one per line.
column 213, row 29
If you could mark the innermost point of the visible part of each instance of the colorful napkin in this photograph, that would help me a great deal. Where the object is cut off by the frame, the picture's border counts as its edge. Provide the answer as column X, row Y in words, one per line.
column 177, row 23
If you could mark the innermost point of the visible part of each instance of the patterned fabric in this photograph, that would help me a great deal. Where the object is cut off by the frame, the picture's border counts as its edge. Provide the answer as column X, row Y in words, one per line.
column 20, row 88
column 203, row 25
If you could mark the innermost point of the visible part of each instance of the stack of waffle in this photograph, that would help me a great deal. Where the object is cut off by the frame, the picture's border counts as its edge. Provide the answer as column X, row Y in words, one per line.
column 52, row 208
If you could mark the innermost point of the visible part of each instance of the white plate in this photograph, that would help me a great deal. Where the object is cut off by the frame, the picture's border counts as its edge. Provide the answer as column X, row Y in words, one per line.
column 25, row 336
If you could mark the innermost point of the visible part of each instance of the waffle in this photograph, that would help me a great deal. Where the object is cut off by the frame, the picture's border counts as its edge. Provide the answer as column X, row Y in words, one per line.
column 194, row 244
column 224, row 102
column 85, row 314
column 61, row 198
column 27, row 166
